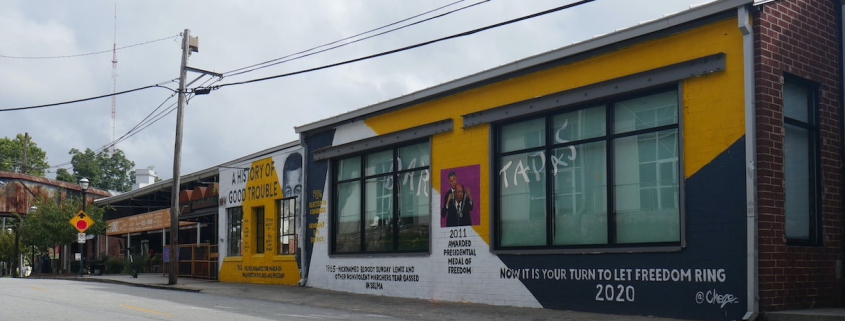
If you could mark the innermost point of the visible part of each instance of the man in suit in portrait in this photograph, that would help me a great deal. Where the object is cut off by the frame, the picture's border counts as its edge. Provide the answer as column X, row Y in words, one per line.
column 458, row 207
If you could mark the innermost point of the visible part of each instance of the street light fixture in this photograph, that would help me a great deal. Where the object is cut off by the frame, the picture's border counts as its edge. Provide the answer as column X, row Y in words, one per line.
column 83, row 184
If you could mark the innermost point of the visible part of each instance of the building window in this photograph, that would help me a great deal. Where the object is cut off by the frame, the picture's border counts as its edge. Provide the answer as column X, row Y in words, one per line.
column 258, row 214
column 801, row 161
column 287, row 226
column 235, row 217
column 382, row 201
column 602, row 175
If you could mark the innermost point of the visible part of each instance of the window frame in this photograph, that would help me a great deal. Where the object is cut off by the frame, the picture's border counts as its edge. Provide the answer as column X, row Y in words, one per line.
column 812, row 129
column 610, row 136
column 259, row 215
column 293, row 215
column 363, row 177
column 234, row 238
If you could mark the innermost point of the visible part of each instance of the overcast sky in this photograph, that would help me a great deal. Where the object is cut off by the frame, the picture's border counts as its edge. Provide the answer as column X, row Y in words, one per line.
column 235, row 121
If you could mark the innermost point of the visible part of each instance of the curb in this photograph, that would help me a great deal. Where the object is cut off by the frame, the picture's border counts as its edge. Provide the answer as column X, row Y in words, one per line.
column 142, row 285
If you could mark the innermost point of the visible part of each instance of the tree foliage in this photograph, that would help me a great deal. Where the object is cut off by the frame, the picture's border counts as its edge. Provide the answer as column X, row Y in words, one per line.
column 113, row 172
column 7, row 242
column 11, row 156
column 49, row 225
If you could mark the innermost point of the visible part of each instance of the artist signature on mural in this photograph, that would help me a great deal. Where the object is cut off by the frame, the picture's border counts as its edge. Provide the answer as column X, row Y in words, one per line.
column 713, row 297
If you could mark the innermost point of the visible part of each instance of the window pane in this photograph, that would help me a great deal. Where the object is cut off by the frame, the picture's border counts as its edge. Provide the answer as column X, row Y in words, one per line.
column 523, row 199
column 235, row 218
column 414, row 210
column 258, row 214
column 348, row 238
column 646, row 189
column 578, row 125
column 523, row 135
column 287, row 226
column 580, row 178
column 795, row 102
column 414, row 156
column 646, row 112
column 797, row 166
column 379, row 163
column 349, row 168
column 378, row 207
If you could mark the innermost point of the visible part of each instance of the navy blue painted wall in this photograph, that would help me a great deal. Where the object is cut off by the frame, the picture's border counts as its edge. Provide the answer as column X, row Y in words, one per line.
column 716, row 239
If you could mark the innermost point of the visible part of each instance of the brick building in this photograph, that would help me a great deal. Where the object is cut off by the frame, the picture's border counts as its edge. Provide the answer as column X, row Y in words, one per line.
column 798, row 80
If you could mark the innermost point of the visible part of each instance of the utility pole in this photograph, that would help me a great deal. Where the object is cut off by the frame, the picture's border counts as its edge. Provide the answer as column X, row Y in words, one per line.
column 177, row 162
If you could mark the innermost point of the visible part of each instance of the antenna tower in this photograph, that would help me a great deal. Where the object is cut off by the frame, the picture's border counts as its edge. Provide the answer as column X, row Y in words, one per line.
column 114, row 84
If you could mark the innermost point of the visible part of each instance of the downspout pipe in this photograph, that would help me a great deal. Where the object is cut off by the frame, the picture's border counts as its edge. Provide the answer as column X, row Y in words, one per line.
column 841, row 40
column 752, row 308
column 303, row 214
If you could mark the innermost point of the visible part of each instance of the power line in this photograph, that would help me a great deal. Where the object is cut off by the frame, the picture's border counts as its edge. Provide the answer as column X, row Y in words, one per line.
column 88, row 54
column 466, row 33
column 236, row 71
column 136, row 129
column 87, row 99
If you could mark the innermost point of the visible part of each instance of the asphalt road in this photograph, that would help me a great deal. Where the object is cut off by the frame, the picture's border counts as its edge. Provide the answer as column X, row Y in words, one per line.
column 46, row 299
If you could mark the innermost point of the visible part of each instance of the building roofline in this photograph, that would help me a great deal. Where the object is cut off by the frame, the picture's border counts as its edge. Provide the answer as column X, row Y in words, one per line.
column 52, row 182
column 195, row 176
column 644, row 28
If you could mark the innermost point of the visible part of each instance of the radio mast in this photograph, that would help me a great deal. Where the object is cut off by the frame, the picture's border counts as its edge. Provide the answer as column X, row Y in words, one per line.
column 114, row 84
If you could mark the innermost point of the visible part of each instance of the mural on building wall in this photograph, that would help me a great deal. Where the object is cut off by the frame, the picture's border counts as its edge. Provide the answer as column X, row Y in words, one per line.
column 700, row 273
column 260, row 224
column 461, row 196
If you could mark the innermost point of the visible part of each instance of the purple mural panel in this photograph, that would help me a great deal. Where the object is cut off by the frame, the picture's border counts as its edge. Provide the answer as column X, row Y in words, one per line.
column 460, row 203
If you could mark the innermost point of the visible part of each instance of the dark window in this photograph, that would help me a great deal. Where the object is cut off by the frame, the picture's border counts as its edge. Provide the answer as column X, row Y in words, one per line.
column 382, row 201
column 801, row 161
column 258, row 214
column 235, row 222
column 594, row 176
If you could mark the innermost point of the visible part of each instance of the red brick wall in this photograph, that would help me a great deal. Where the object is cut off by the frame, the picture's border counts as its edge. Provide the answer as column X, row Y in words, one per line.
column 801, row 38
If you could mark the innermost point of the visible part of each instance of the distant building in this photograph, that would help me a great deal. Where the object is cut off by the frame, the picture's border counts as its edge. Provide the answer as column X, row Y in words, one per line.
column 144, row 177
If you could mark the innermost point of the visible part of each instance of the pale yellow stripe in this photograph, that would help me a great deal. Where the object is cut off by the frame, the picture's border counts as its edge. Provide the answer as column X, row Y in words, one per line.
column 145, row 310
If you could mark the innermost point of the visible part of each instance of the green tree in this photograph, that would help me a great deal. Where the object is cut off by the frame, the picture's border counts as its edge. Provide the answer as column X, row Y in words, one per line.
column 49, row 225
column 113, row 172
column 11, row 156
column 7, row 243
column 63, row 175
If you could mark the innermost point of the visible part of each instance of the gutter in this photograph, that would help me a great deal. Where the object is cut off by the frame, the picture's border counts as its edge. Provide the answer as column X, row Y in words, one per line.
column 752, row 308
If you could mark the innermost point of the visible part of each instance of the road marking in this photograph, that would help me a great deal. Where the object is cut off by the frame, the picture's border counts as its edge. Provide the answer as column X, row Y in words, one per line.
column 145, row 310
column 38, row 289
column 298, row 316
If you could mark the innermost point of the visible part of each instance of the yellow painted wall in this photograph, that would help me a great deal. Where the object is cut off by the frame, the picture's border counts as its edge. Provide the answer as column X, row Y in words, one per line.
column 263, row 190
column 713, row 105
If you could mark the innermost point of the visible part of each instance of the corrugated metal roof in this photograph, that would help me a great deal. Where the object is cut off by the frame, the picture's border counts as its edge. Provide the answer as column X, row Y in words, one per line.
column 195, row 176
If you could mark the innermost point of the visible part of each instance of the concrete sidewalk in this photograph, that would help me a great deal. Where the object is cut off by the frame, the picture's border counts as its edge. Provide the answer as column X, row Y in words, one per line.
column 414, row 309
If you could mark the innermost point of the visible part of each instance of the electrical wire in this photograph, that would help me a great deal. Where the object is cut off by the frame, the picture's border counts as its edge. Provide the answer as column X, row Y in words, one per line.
column 89, row 54
column 239, row 70
column 87, row 99
column 466, row 33
column 170, row 109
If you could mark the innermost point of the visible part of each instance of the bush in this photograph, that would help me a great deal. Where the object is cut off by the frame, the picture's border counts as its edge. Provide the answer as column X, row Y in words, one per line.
column 115, row 265
column 137, row 265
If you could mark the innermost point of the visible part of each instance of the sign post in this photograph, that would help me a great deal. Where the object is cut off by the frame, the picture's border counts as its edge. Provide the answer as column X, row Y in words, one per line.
column 81, row 222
